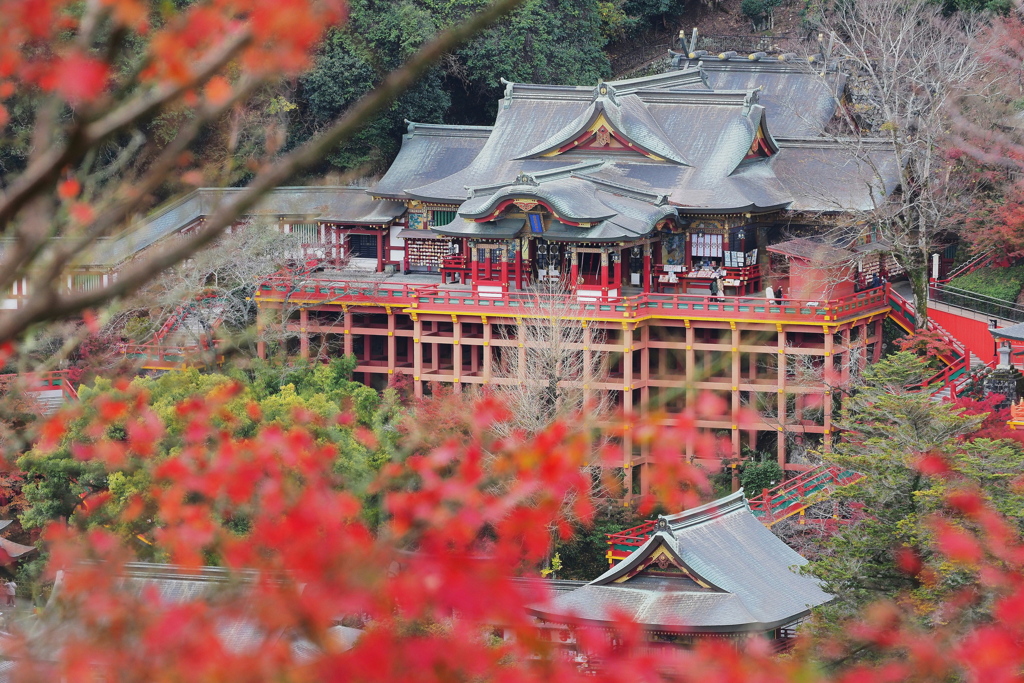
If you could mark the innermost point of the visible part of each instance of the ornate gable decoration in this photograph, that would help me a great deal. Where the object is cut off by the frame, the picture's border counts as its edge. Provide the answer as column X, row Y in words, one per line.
column 525, row 204
column 761, row 147
column 602, row 136
column 663, row 565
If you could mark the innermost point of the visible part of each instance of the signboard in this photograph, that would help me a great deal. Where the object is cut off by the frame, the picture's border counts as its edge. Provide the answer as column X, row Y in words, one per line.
column 536, row 222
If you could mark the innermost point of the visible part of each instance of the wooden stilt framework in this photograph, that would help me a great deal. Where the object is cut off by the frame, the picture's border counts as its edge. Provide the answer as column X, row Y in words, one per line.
column 661, row 351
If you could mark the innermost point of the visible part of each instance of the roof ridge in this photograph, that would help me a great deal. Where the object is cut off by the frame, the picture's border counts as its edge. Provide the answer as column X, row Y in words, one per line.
column 541, row 176
column 628, row 85
column 763, row 64
column 660, row 198
column 707, row 512
column 830, row 142
column 706, row 97
column 453, row 130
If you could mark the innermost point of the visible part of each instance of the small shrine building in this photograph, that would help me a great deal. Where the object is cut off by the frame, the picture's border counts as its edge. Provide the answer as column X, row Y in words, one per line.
column 711, row 572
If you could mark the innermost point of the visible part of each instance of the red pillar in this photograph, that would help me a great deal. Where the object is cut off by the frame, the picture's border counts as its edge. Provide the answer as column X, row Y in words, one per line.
column 504, row 266
column 380, row 251
column 472, row 264
column 647, row 269
column 574, row 269
column 519, row 266
column 617, row 270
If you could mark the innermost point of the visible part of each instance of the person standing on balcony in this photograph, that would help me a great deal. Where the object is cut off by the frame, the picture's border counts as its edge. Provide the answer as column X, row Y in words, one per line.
column 769, row 294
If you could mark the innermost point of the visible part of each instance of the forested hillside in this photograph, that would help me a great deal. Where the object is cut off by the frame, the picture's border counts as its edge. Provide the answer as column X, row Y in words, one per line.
column 543, row 41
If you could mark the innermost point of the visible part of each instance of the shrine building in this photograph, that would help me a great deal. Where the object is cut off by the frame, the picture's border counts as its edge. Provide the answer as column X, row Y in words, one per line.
column 626, row 199
column 711, row 572
column 619, row 205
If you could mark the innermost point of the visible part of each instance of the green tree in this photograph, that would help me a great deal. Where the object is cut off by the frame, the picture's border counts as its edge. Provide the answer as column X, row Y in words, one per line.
column 61, row 481
column 899, row 439
column 584, row 555
column 543, row 41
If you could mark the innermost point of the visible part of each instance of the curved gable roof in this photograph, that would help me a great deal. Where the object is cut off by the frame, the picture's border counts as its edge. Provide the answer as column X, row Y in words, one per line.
column 751, row 577
column 627, row 116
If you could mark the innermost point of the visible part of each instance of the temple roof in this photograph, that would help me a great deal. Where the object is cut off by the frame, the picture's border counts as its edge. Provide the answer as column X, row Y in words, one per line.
column 430, row 153
column 710, row 131
column 813, row 251
column 802, row 97
column 346, row 205
column 713, row 569
column 605, row 210
column 669, row 136
column 1012, row 332
column 836, row 174
column 499, row 229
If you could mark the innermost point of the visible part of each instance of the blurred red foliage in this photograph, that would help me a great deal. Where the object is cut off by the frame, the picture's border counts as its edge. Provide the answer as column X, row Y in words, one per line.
column 430, row 583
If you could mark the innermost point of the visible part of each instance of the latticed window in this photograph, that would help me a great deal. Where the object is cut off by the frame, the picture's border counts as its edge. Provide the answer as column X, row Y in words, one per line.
column 443, row 217
column 86, row 283
column 306, row 233
column 363, row 246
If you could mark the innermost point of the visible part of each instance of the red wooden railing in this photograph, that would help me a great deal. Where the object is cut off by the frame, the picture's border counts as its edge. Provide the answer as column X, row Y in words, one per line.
column 156, row 356
column 327, row 291
column 772, row 506
column 437, row 298
column 957, row 375
column 40, row 381
column 796, row 494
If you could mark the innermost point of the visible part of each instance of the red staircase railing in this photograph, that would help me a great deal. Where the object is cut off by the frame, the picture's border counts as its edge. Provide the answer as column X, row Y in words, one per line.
column 772, row 506
column 796, row 494
column 179, row 315
column 957, row 374
column 979, row 261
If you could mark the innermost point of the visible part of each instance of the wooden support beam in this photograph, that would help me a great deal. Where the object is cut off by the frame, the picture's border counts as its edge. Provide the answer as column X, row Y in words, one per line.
column 488, row 331
column 417, row 357
column 392, row 347
column 303, row 334
column 780, row 449
column 735, row 390
column 347, row 344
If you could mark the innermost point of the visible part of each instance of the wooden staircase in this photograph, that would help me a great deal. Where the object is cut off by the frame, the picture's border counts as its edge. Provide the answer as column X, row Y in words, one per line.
column 962, row 367
column 772, row 506
column 800, row 492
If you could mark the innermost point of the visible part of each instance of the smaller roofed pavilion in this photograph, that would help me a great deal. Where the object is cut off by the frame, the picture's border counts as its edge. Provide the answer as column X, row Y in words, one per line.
column 713, row 571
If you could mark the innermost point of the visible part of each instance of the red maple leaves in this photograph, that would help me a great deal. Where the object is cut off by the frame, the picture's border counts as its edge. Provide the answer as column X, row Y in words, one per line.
column 434, row 578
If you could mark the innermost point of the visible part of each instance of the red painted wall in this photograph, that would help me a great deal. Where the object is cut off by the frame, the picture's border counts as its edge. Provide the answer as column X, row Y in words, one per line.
column 811, row 282
column 971, row 333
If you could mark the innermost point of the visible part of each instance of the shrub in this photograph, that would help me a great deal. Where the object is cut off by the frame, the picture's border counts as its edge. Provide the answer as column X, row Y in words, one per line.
column 758, row 476
column 756, row 9
column 998, row 283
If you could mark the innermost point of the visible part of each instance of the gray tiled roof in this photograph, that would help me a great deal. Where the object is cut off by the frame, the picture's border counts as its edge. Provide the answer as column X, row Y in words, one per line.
column 812, row 250
column 430, row 153
column 627, row 115
column 1014, row 332
column 752, row 577
column 704, row 136
column 500, row 229
column 802, row 97
column 349, row 205
column 619, row 212
column 836, row 174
